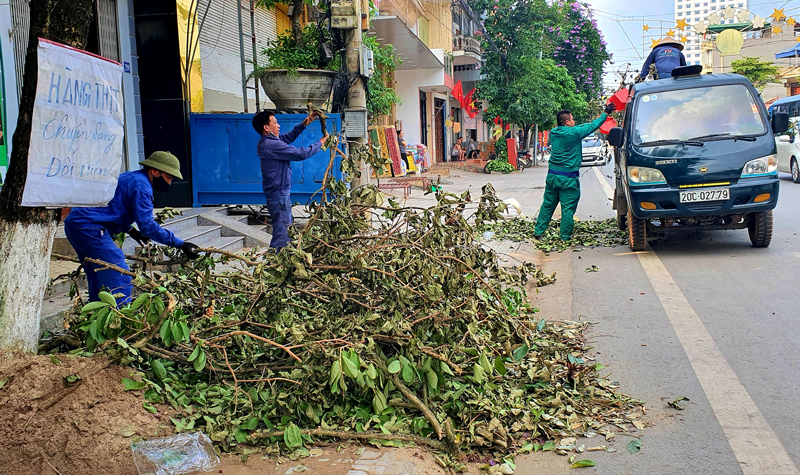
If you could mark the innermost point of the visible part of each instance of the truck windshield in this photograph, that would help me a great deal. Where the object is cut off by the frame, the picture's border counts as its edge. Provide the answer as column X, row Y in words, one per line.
column 698, row 113
column 587, row 143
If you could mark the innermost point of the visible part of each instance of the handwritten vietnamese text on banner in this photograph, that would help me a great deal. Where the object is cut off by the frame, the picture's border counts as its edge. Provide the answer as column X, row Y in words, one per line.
column 78, row 129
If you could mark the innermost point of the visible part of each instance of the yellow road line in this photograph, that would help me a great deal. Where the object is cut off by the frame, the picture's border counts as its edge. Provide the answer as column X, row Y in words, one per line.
column 755, row 446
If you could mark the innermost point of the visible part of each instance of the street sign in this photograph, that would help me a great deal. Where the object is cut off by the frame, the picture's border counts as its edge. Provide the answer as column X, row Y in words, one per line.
column 78, row 129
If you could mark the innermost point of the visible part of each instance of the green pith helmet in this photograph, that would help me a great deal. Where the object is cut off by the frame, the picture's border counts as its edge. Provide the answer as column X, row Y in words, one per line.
column 165, row 162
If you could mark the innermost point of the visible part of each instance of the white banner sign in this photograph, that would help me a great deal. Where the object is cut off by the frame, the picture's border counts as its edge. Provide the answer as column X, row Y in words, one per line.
column 78, row 129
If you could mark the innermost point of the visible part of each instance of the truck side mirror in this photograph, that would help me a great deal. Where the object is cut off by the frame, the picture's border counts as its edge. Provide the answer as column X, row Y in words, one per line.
column 780, row 122
column 616, row 136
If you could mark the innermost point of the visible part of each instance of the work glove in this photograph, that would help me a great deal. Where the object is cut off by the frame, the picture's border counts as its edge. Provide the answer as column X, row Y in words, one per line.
column 138, row 237
column 190, row 250
column 610, row 107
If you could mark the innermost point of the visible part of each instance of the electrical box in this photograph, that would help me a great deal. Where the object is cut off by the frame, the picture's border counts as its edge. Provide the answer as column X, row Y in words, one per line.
column 367, row 61
column 344, row 15
column 355, row 123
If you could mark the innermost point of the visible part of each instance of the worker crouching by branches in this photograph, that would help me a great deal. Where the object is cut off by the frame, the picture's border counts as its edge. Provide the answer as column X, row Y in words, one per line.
column 90, row 230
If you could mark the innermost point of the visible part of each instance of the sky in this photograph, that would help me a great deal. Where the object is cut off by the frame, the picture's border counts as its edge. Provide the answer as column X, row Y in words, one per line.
column 622, row 28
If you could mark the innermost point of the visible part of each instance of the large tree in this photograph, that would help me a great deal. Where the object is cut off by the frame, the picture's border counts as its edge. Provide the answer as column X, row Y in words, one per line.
column 760, row 73
column 577, row 44
column 26, row 234
column 519, row 87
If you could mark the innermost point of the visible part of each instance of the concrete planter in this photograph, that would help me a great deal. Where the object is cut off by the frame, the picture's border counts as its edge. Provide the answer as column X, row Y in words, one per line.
column 295, row 91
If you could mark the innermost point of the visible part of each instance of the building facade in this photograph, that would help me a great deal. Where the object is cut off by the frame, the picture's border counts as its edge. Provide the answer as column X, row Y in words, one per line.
column 696, row 11
column 421, row 32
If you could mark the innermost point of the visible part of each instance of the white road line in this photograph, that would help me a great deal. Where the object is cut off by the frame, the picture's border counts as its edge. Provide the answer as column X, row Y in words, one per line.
column 603, row 182
column 754, row 444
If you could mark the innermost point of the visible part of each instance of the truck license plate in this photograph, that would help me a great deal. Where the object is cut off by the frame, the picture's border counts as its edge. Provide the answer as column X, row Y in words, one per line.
column 711, row 194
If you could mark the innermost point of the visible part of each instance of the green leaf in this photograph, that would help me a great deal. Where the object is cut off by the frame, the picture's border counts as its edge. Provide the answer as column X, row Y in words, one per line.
column 108, row 299
column 200, row 362
column 251, row 424
column 634, row 446
column 408, row 374
column 241, row 436
column 484, row 361
column 526, row 449
column 433, row 381
column 131, row 385
column 177, row 332
column 446, row 368
column 520, row 353
column 185, row 331
column 165, row 331
column 292, row 436
column 54, row 359
column 499, row 366
column 583, row 463
column 549, row 445
column 350, row 368
column 158, row 369
column 395, row 367
column 336, row 372
column 149, row 407
column 379, row 402
column 194, row 354
column 94, row 306
column 139, row 301
column 478, row 373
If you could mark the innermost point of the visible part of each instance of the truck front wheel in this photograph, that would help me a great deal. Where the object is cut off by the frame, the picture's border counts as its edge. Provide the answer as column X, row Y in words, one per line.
column 760, row 228
column 637, row 232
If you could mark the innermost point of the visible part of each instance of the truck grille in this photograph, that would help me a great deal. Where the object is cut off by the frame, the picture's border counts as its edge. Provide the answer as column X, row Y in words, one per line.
column 705, row 206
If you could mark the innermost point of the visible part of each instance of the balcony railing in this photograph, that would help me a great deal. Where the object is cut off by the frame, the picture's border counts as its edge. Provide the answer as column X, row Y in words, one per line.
column 467, row 43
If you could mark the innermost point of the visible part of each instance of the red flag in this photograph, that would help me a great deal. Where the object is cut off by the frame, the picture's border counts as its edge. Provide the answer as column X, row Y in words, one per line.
column 467, row 99
column 458, row 93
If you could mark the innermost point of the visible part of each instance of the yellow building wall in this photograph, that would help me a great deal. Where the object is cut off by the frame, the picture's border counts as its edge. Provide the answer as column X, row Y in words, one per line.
column 284, row 22
column 440, row 24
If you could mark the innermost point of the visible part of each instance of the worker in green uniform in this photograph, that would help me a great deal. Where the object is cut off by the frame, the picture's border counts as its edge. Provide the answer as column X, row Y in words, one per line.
column 563, row 184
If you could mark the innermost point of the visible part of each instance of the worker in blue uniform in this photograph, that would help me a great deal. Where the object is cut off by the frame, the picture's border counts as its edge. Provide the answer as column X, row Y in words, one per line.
column 666, row 55
column 276, row 156
column 90, row 230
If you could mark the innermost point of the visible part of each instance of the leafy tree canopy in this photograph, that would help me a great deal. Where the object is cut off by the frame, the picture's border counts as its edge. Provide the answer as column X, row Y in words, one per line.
column 758, row 72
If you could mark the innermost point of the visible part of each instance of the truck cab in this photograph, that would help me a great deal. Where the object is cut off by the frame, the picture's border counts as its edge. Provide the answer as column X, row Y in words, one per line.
column 696, row 152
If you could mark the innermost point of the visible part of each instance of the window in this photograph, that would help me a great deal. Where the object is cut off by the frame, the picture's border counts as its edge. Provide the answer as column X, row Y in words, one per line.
column 663, row 116
column 713, row 8
column 680, row 13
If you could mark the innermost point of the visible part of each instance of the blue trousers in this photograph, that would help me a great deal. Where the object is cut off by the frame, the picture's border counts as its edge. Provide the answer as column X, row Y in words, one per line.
column 95, row 242
column 280, row 211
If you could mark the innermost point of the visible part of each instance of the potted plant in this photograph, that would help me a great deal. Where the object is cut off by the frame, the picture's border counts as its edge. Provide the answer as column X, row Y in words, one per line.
column 297, row 69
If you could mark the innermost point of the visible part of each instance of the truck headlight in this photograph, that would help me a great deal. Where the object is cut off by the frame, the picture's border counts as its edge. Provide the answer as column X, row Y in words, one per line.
column 645, row 176
column 761, row 166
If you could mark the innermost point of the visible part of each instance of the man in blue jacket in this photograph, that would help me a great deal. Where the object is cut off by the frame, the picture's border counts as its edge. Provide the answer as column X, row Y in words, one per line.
column 90, row 230
column 666, row 55
column 276, row 169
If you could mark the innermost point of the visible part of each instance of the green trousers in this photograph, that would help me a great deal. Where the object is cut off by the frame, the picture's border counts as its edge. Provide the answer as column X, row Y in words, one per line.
column 564, row 190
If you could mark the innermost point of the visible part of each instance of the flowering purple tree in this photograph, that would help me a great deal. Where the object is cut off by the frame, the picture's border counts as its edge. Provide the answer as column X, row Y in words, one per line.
column 577, row 44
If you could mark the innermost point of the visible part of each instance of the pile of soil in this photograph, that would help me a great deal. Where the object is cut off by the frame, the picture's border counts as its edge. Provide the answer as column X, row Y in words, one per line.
column 87, row 427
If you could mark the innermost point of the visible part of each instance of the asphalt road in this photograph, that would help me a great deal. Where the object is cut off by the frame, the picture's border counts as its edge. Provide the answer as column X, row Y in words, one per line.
column 704, row 316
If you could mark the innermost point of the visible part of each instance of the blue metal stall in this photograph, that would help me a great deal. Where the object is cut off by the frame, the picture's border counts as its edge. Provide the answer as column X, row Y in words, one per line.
column 226, row 168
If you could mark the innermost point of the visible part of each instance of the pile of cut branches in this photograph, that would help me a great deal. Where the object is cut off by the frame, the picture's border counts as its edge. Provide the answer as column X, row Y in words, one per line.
column 379, row 322
column 602, row 233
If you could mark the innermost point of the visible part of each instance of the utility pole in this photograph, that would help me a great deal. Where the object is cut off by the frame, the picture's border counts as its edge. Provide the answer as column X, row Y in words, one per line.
column 536, row 126
column 357, row 96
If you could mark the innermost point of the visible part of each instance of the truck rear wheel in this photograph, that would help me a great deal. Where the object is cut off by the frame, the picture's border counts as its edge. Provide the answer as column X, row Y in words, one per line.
column 637, row 232
column 760, row 228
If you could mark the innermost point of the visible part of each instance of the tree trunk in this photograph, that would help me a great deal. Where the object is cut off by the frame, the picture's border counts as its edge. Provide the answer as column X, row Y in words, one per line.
column 297, row 27
column 26, row 234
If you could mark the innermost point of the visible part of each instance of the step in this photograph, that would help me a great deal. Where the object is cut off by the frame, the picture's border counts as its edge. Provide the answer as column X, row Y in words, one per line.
column 180, row 223
column 230, row 244
column 201, row 234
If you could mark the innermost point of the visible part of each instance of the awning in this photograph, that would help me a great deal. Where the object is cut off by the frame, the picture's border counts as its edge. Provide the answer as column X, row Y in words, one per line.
column 792, row 52
column 389, row 30
column 735, row 26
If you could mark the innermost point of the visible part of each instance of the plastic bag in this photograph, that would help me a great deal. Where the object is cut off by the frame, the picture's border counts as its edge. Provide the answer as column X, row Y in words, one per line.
column 175, row 455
